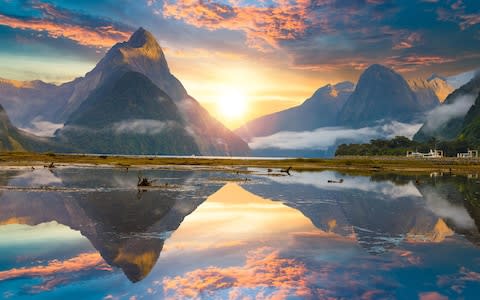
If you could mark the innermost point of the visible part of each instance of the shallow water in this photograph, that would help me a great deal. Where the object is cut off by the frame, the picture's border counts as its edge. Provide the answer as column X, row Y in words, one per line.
column 79, row 233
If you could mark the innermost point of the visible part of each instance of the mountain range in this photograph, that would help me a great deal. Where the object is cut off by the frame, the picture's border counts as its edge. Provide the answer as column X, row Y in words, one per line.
column 130, row 103
column 160, row 119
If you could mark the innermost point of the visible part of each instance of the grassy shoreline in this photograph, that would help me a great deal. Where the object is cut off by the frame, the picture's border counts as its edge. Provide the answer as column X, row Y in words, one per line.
column 351, row 164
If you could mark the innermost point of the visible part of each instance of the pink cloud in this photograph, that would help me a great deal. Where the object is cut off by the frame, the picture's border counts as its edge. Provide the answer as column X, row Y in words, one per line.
column 409, row 42
column 263, row 268
column 432, row 296
column 263, row 26
column 57, row 23
column 83, row 261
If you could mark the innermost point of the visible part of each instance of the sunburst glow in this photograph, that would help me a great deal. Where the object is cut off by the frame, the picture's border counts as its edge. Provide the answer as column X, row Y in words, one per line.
column 232, row 104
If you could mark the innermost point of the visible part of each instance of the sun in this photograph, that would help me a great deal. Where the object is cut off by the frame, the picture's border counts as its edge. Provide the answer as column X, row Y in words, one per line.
column 232, row 104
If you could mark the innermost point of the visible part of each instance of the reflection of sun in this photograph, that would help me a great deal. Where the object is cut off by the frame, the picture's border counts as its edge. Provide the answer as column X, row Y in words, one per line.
column 232, row 104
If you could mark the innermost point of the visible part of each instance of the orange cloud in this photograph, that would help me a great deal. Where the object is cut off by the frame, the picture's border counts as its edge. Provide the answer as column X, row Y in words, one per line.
column 104, row 36
column 432, row 296
column 409, row 42
column 83, row 261
column 264, row 26
column 263, row 268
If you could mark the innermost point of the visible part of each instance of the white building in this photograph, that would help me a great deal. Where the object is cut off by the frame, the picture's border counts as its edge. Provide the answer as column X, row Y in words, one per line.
column 469, row 154
column 432, row 154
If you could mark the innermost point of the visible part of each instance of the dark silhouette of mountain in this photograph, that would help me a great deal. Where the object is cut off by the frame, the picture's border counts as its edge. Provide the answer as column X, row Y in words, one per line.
column 319, row 110
column 380, row 94
column 128, row 115
column 451, row 127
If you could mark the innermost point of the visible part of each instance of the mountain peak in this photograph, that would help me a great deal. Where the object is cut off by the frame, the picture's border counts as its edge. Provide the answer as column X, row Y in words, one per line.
column 141, row 38
column 378, row 68
column 436, row 76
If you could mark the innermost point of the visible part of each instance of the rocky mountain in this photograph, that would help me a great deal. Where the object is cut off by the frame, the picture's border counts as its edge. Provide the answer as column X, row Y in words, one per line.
column 432, row 90
column 319, row 110
column 447, row 121
column 141, row 54
column 28, row 102
column 381, row 94
column 128, row 115
column 14, row 139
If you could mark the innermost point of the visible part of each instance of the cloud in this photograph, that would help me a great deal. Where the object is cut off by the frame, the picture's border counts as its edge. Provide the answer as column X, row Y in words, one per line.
column 409, row 42
column 361, row 183
column 58, row 23
column 263, row 26
column 432, row 296
column 263, row 268
column 83, row 261
column 446, row 112
column 142, row 126
column 43, row 128
column 458, row 281
column 325, row 137
column 441, row 207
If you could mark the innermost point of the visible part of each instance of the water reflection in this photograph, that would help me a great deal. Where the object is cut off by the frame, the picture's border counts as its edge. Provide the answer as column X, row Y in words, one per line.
column 90, row 234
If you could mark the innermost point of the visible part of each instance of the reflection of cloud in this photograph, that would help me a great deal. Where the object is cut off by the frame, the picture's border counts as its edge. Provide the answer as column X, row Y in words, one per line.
column 264, row 268
column 443, row 113
column 441, row 207
column 38, row 177
column 458, row 281
column 432, row 296
column 83, row 261
column 362, row 183
column 325, row 137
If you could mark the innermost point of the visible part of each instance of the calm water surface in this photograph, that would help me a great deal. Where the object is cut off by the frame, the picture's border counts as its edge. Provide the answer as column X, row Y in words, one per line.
column 79, row 233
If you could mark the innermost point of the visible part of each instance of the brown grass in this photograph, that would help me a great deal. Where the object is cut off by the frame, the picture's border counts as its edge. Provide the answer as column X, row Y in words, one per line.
column 346, row 164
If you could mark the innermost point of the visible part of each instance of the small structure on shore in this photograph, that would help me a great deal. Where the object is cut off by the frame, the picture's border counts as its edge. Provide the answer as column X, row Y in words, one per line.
column 432, row 154
column 468, row 154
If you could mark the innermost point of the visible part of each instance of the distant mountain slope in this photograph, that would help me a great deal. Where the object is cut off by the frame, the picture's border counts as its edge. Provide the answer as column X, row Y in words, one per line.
column 471, row 124
column 319, row 110
column 431, row 90
column 128, row 115
column 381, row 94
column 446, row 122
column 29, row 101
column 456, row 81
column 13, row 139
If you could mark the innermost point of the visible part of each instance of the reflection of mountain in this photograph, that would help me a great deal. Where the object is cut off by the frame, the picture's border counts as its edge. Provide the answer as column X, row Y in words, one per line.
column 457, row 200
column 380, row 216
column 127, row 230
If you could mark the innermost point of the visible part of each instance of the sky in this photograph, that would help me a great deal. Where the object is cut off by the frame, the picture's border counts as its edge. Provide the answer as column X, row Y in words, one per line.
column 274, row 53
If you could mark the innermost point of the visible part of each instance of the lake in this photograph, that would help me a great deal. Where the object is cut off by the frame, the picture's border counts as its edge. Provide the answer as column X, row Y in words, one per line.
column 90, row 233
